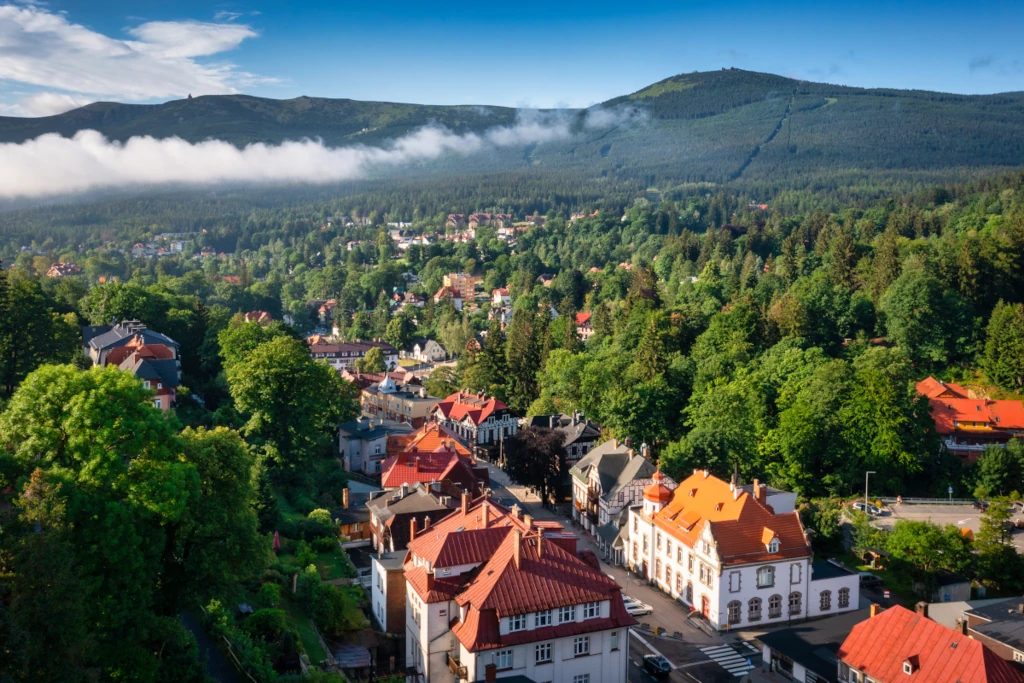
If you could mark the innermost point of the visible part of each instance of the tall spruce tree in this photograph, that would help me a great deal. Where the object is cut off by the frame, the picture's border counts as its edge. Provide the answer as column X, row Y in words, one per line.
column 1004, row 347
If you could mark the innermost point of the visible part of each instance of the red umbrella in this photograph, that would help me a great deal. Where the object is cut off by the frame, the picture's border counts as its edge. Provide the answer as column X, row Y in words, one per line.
column 277, row 540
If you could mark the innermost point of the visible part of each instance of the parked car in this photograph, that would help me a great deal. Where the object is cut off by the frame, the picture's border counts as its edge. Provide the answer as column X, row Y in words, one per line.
column 868, row 579
column 980, row 505
column 635, row 607
column 656, row 665
column 871, row 509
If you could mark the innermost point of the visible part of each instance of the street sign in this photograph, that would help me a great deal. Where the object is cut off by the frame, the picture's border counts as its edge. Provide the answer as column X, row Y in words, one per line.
column 885, row 594
column 950, row 490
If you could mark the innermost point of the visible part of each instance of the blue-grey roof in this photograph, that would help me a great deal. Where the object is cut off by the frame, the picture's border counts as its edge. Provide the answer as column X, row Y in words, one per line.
column 827, row 570
column 118, row 335
column 164, row 371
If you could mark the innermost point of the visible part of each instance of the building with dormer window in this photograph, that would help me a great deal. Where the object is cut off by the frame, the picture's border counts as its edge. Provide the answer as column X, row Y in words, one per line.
column 726, row 552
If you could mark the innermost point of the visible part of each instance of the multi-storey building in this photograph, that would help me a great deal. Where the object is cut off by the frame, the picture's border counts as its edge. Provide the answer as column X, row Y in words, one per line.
column 464, row 283
column 477, row 419
column 724, row 552
column 967, row 423
column 390, row 400
column 493, row 594
column 152, row 357
column 343, row 355
column 610, row 477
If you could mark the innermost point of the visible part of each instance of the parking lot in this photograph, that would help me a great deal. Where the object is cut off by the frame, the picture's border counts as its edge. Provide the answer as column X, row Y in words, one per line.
column 958, row 515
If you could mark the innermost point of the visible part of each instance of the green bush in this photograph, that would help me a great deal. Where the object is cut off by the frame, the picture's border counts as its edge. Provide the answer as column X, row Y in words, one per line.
column 269, row 595
column 322, row 516
column 304, row 554
column 324, row 544
column 265, row 624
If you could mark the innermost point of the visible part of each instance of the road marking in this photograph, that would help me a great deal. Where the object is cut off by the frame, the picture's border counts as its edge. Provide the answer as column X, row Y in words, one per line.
column 651, row 648
column 750, row 647
column 729, row 659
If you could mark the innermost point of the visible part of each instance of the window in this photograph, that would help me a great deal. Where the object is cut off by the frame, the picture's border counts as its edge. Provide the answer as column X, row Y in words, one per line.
column 636, row 555
column 376, row 449
column 566, row 614
column 679, row 554
column 754, row 609
column 795, row 573
column 668, row 547
column 503, row 659
column 668, row 576
column 657, row 540
column 591, row 610
column 765, row 577
column 689, row 562
column 615, row 640
column 825, row 602
column 844, row 598
column 689, row 593
column 159, row 385
column 581, row 678
column 795, row 603
column 635, row 527
column 543, row 653
column 734, row 582
column 773, row 546
column 543, row 618
column 645, row 544
column 581, row 645
column 775, row 606
column 657, row 569
column 908, row 668
column 679, row 583
column 517, row 622
column 734, row 612
column 158, row 403
column 145, row 383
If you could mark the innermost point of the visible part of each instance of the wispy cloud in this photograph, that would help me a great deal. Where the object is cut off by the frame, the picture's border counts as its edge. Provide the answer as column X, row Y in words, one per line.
column 982, row 62
column 45, row 50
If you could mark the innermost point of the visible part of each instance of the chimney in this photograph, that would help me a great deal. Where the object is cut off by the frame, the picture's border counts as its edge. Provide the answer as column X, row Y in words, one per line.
column 922, row 608
column 412, row 529
column 760, row 492
column 540, row 544
column 405, row 490
column 426, row 522
column 491, row 673
column 1020, row 608
column 528, row 520
column 961, row 626
column 430, row 581
column 416, row 464
column 344, row 498
column 628, row 441
column 615, row 443
column 875, row 610
column 517, row 555
column 483, row 515
column 465, row 502
column 706, row 473
column 735, row 492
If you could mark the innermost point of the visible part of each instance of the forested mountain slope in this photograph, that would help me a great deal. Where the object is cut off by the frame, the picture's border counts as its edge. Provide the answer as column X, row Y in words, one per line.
column 728, row 126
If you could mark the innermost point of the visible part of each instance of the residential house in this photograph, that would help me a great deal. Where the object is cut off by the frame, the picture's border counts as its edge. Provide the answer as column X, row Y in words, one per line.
column 427, row 351
column 353, row 518
column 968, row 424
column 392, row 511
column 464, row 283
column 584, row 327
column 1000, row 627
column 260, row 317
column 805, row 653
column 493, row 594
column 539, row 221
column 428, row 438
column 898, row 645
column 364, row 379
column 546, row 279
column 581, row 435
column 152, row 357
column 475, row 418
column 455, row 221
column 445, row 466
column 326, row 311
column 610, row 477
column 343, row 355
column 390, row 400
column 362, row 443
column 503, row 315
column 500, row 297
column 723, row 552
column 63, row 270
column 447, row 292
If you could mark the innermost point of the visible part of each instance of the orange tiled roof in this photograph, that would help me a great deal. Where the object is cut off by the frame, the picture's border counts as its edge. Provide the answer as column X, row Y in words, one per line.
column 118, row 354
column 435, row 437
column 879, row 646
column 933, row 388
column 582, row 318
column 948, row 412
column 737, row 522
column 462, row 404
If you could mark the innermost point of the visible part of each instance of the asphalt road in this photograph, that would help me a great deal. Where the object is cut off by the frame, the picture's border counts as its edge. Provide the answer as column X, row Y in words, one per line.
column 958, row 515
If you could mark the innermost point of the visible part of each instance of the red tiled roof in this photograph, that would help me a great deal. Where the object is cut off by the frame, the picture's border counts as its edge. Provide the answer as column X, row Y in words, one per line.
column 880, row 645
column 933, row 388
column 118, row 354
column 448, row 291
column 582, row 318
column 460, row 405
column 408, row 468
column 737, row 523
column 947, row 412
column 434, row 437
column 441, row 589
column 539, row 581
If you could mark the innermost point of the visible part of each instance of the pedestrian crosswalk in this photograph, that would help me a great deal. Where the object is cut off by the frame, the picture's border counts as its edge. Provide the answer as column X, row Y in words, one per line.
column 729, row 659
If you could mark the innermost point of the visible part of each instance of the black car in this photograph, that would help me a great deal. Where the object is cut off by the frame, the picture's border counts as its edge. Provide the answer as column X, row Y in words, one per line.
column 980, row 505
column 656, row 665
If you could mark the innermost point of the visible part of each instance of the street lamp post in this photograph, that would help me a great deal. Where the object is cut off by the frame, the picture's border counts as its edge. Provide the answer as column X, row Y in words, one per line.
column 866, row 503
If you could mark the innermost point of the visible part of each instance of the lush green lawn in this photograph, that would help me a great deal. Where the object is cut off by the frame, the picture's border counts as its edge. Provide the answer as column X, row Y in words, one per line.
column 298, row 620
column 333, row 565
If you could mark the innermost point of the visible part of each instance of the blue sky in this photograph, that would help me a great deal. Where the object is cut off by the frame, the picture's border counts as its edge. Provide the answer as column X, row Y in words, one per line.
column 67, row 52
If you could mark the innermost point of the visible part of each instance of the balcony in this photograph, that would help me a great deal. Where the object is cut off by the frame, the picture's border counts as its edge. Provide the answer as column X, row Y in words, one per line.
column 455, row 667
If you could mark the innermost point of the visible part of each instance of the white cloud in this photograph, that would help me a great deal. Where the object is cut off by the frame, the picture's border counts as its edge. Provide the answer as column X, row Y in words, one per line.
column 51, row 164
column 46, row 104
column 44, row 49
column 623, row 115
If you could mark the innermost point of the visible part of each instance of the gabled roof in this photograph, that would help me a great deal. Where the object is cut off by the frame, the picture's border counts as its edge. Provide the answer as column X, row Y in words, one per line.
column 583, row 318
column 739, row 523
column 433, row 436
column 544, row 577
column 408, row 468
column 575, row 427
column 163, row 371
column 880, row 645
column 122, row 333
column 462, row 404
column 616, row 464
column 390, row 504
column 933, row 388
column 948, row 412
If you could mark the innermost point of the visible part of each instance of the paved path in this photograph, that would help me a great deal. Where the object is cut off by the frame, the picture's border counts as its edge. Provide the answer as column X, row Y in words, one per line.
column 216, row 664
